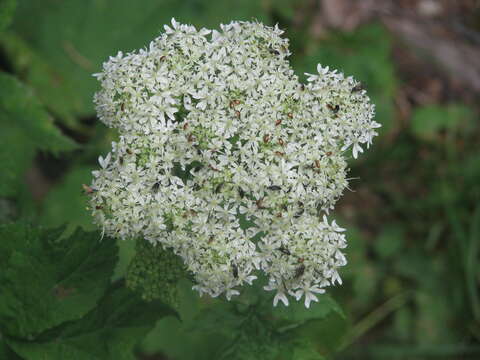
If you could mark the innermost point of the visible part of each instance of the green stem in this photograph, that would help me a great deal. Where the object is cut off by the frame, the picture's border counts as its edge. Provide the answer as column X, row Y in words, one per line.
column 376, row 316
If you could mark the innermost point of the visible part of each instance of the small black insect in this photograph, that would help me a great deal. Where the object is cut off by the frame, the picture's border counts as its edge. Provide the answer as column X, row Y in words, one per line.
column 299, row 213
column 358, row 87
column 259, row 204
column 241, row 192
column 155, row 187
column 335, row 108
column 219, row 188
column 88, row 189
column 273, row 51
column 274, row 188
column 235, row 271
column 299, row 271
column 284, row 250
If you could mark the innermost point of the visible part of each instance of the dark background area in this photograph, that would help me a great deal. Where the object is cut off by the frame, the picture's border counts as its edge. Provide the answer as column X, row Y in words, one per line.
column 411, row 287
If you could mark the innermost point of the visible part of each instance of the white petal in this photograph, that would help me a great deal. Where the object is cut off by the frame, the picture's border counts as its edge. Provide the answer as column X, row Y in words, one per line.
column 280, row 296
column 308, row 298
column 174, row 23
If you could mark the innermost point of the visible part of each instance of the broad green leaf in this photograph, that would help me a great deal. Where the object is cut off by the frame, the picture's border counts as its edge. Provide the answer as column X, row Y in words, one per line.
column 7, row 8
column 326, row 334
column 324, row 323
column 126, row 252
column 46, row 280
column 365, row 55
column 6, row 353
column 244, row 335
column 44, row 77
column 304, row 350
column 26, row 128
column 74, row 212
column 296, row 313
column 171, row 338
column 428, row 121
column 93, row 30
column 254, row 341
column 192, row 338
column 246, row 328
column 108, row 332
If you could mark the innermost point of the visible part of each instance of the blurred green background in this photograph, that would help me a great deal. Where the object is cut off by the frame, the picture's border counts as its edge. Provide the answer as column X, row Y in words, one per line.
column 411, row 287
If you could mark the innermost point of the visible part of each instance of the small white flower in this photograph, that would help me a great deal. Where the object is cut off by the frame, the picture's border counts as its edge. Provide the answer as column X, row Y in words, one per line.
column 280, row 296
column 308, row 292
column 104, row 162
column 356, row 149
column 230, row 293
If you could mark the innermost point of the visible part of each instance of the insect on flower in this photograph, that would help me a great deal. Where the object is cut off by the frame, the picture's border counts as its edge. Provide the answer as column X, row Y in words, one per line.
column 300, row 271
column 283, row 249
column 334, row 109
column 235, row 271
column 358, row 87
column 87, row 189
column 156, row 187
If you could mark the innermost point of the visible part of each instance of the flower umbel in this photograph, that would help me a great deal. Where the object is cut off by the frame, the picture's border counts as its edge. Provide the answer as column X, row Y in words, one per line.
column 225, row 158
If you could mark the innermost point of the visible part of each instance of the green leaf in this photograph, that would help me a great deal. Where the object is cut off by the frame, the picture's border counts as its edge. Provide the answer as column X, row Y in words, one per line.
column 93, row 30
column 365, row 55
column 296, row 313
column 326, row 335
column 304, row 350
column 6, row 352
column 324, row 323
column 46, row 280
column 254, row 341
column 108, row 332
column 246, row 328
column 74, row 212
column 26, row 128
column 428, row 121
column 178, row 339
column 7, row 8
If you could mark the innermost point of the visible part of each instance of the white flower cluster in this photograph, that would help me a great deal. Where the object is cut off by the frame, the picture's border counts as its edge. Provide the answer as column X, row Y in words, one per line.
column 227, row 159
